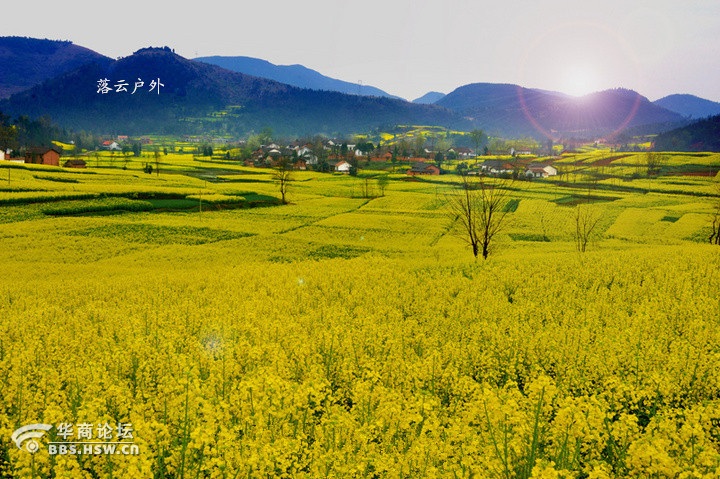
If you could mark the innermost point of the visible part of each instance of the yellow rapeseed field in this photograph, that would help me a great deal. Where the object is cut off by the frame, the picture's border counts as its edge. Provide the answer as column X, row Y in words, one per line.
column 349, row 337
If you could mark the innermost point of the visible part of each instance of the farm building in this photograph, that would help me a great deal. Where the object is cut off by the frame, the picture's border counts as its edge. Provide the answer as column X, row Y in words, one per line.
column 423, row 169
column 75, row 163
column 462, row 153
column 540, row 171
column 341, row 166
column 43, row 156
column 496, row 167
column 111, row 145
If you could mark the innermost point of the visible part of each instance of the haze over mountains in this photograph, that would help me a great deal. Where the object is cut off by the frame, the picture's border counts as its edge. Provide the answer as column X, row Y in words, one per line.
column 200, row 97
column 689, row 106
column 197, row 97
column 430, row 98
column 25, row 62
column 518, row 111
column 295, row 75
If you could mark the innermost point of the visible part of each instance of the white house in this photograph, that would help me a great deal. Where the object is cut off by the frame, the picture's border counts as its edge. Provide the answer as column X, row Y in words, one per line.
column 307, row 154
column 342, row 166
column 550, row 170
column 540, row 171
column 111, row 145
column 496, row 167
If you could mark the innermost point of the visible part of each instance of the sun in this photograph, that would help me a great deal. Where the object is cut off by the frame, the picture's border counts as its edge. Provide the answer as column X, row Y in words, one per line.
column 579, row 80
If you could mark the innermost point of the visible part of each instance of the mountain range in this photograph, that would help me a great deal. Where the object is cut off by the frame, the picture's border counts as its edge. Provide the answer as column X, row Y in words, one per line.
column 689, row 106
column 429, row 98
column 198, row 96
column 518, row 111
column 25, row 62
column 295, row 75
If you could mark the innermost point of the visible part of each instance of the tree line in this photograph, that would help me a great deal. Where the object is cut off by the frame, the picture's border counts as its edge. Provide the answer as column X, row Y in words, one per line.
column 23, row 132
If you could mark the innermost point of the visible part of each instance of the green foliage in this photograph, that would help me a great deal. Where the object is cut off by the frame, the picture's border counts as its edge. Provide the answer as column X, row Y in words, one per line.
column 337, row 251
column 512, row 205
column 162, row 235
column 102, row 205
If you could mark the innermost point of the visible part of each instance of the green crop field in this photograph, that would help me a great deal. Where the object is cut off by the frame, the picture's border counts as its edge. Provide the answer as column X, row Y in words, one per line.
column 353, row 334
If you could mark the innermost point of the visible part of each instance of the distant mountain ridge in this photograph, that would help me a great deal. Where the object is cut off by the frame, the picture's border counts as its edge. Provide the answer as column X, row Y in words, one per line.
column 25, row 62
column 429, row 98
column 514, row 110
column 200, row 97
column 295, row 75
column 197, row 97
column 689, row 106
column 702, row 135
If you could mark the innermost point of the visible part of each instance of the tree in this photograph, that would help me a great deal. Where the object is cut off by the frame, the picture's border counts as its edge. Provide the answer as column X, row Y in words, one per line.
column 354, row 166
column 266, row 135
column 383, row 181
column 715, row 224
column 439, row 158
column 156, row 154
column 366, row 187
column 283, row 176
column 481, row 208
column 8, row 134
column 419, row 145
column 586, row 221
column 478, row 137
column 653, row 161
column 365, row 148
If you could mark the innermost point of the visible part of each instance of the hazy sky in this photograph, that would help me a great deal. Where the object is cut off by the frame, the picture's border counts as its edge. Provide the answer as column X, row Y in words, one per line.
column 409, row 47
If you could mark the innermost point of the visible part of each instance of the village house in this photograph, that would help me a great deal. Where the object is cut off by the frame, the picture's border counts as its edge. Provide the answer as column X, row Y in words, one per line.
column 111, row 145
column 341, row 166
column 540, row 171
column 496, row 167
column 307, row 155
column 5, row 155
column 462, row 153
column 43, row 156
column 423, row 169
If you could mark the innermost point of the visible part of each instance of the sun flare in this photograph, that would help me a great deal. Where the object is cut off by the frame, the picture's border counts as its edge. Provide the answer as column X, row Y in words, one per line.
column 579, row 80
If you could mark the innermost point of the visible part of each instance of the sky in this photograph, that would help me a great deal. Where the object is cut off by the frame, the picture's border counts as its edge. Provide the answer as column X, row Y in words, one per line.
column 410, row 47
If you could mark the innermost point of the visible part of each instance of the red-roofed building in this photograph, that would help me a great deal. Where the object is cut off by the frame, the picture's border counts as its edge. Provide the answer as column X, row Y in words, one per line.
column 43, row 156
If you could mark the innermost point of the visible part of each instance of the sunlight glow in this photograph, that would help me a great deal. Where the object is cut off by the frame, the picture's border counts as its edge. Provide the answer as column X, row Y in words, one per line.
column 579, row 80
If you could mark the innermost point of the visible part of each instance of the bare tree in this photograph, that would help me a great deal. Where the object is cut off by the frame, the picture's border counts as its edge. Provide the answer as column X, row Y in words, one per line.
column 481, row 208
column 478, row 138
column 586, row 221
column 715, row 216
column 156, row 154
column 283, row 176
